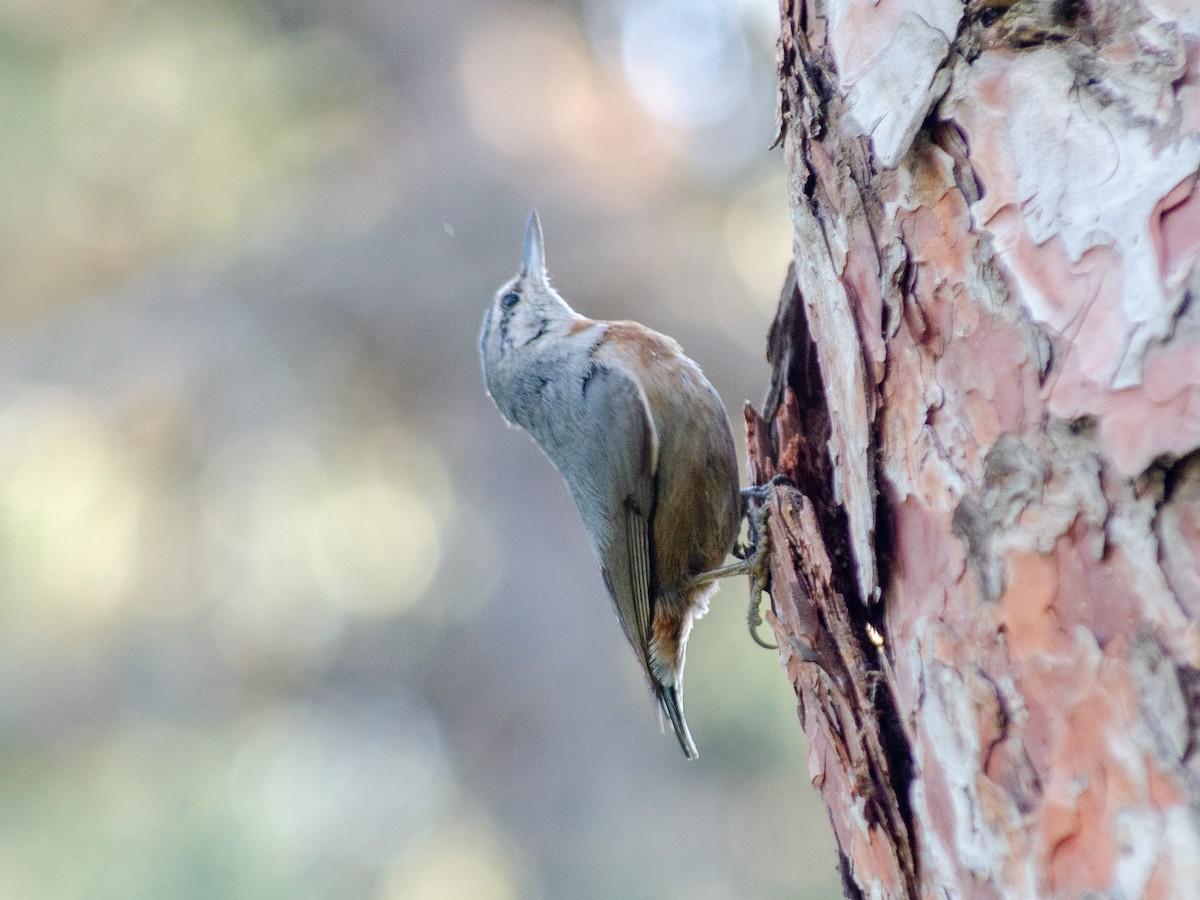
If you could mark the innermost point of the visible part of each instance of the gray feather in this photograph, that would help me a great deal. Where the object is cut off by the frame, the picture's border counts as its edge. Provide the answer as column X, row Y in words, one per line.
column 592, row 406
column 613, row 420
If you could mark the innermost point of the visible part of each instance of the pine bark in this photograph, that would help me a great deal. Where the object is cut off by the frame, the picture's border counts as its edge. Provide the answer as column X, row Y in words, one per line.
column 986, row 569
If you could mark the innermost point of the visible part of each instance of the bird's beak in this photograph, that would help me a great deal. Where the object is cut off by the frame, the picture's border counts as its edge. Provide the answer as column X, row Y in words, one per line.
column 533, row 256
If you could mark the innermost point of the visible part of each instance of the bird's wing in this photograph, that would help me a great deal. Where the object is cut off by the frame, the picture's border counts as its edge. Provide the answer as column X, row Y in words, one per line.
column 621, row 431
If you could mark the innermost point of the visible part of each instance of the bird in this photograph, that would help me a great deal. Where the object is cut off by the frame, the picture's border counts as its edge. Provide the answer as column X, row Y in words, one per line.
column 644, row 445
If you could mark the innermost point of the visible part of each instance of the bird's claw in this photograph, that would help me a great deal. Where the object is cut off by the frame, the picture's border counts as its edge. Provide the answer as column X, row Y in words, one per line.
column 757, row 554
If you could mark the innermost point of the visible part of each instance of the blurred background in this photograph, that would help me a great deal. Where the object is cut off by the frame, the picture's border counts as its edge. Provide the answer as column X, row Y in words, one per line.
column 286, row 611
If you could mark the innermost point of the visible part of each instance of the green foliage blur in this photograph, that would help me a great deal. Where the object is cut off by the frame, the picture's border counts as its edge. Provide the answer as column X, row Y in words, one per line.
column 285, row 610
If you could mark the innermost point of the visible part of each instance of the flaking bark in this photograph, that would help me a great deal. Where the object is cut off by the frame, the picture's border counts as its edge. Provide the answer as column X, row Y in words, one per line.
column 987, row 396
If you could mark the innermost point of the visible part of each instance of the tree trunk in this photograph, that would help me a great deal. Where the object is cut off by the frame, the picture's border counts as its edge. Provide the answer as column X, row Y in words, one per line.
column 986, row 579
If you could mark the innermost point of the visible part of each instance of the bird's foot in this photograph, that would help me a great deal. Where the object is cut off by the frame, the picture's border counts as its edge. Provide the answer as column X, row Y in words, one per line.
column 757, row 556
column 754, row 555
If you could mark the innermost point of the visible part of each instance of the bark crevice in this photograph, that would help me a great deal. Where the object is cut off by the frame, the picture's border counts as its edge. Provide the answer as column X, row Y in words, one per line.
column 986, row 396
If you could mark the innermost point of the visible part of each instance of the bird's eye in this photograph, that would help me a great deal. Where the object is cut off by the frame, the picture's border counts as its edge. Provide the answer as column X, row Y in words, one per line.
column 508, row 301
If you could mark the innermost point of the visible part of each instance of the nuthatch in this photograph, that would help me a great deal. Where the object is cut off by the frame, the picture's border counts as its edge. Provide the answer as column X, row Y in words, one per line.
column 642, row 441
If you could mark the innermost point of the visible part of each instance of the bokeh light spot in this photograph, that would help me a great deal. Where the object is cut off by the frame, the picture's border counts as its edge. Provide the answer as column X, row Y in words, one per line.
column 303, row 540
column 464, row 862
column 375, row 547
column 687, row 62
column 70, row 508
column 319, row 781
column 758, row 238
column 535, row 94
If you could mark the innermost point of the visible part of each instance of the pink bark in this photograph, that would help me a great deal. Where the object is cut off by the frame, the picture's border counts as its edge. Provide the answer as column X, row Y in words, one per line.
column 988, row 396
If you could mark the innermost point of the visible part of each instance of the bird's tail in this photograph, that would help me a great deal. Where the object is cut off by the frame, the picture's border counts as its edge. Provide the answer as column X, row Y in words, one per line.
column 670, row 697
